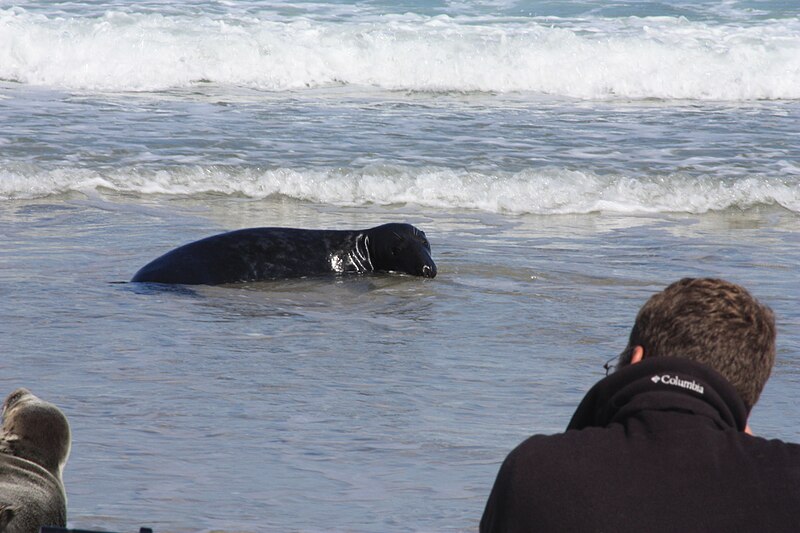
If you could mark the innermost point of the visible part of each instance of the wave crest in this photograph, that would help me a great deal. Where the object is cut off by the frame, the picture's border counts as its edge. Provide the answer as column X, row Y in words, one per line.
column 662, row 57
column 541, row 191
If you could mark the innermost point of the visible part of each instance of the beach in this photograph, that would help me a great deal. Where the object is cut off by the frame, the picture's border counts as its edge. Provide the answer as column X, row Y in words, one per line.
column 566, row 161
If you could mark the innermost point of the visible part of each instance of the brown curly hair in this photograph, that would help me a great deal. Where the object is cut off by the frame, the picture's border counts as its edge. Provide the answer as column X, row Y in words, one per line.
column 710, row 321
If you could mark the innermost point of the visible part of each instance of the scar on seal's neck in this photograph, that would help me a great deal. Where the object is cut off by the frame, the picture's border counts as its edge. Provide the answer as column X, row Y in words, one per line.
column 361, row 254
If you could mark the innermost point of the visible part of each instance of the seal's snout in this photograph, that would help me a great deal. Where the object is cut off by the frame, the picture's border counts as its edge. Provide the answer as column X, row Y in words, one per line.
column 429, row 271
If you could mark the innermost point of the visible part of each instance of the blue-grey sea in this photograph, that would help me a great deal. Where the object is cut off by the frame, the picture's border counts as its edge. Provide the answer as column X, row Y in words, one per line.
column 565, row 158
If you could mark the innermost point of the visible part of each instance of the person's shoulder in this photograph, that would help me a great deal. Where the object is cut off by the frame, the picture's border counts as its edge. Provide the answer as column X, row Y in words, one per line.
column 772, row 447
column 571, row 437
column 546, row 451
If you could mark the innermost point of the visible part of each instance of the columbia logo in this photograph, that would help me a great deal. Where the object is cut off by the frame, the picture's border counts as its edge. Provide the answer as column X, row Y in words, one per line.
column 675, row 381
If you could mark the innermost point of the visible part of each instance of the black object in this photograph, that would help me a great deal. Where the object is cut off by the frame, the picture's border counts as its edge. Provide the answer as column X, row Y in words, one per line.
column 657, row 446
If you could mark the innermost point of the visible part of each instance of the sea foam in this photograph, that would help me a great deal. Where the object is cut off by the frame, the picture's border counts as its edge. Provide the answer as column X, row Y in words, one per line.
column 544, row 191
column 657, row 57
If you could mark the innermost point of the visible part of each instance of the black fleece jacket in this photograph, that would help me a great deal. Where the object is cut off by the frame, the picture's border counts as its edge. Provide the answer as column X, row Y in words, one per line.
column 656, row 446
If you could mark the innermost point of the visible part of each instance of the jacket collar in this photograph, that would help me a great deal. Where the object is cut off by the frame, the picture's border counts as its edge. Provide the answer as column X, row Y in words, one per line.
column 663, row 383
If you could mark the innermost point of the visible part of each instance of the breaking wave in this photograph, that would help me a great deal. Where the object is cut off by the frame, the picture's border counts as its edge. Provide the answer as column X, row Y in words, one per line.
column 541, row 191
column 602, row 58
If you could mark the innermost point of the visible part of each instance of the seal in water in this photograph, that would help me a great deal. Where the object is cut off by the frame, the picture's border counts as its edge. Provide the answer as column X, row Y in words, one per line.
column 34, row 446
column 257, row 254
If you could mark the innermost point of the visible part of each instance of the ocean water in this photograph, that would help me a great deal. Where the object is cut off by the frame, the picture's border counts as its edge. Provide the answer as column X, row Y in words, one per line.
column 566, row 160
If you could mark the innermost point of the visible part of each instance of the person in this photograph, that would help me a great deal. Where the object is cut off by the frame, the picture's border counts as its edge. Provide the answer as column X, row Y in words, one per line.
column 662, row 443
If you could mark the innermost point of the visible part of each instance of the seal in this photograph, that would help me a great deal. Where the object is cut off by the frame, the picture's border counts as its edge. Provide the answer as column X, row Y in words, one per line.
column 256, row 254
column 34, row 446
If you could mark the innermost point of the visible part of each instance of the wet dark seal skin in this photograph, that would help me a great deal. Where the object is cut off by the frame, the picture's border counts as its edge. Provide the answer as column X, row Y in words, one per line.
column 257, row 254
column 34, row 446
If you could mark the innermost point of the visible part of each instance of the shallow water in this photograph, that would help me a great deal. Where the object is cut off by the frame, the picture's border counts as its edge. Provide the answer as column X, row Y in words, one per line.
column 555, row 205
column 354, row 404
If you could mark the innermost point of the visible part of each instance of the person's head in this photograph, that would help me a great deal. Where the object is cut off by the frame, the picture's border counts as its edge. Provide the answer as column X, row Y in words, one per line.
column 713, row 322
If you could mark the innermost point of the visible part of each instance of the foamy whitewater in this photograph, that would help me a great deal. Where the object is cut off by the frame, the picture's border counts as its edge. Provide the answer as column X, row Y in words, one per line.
column 546, row 191
column 589, row 58
column 566, row 160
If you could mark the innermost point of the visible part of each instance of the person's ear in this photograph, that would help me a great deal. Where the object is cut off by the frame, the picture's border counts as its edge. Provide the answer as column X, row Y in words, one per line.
column 637, row 354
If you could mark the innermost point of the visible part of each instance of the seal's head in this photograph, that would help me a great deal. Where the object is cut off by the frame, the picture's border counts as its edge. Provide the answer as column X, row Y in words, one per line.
column 400, row 248
column 35, row 430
